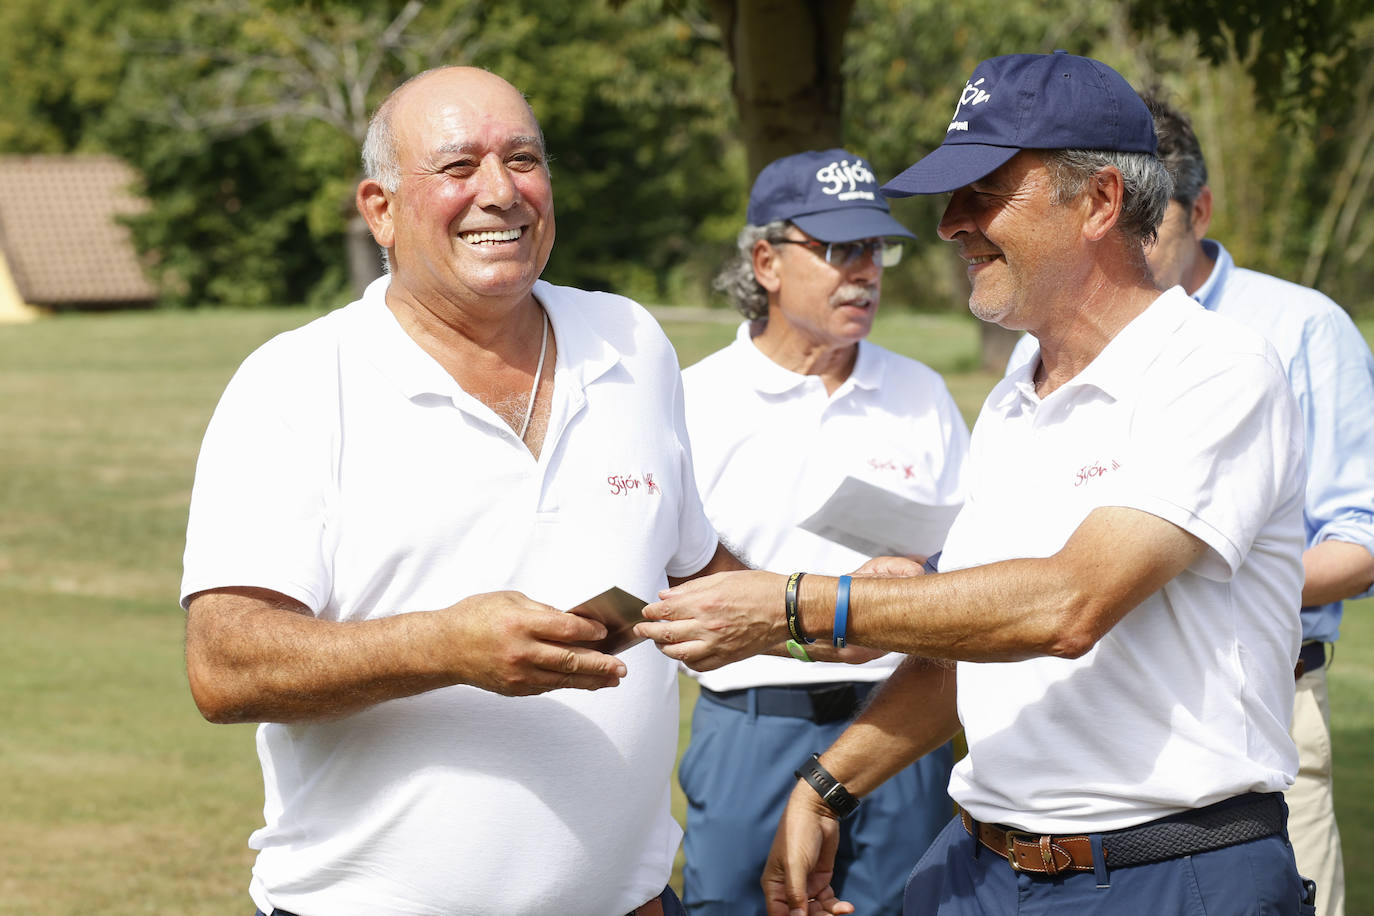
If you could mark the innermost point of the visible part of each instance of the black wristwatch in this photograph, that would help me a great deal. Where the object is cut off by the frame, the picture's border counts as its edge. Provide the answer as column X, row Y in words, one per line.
column 830, row 789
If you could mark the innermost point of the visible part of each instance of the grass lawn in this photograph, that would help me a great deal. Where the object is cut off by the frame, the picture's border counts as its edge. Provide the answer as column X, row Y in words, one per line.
column 118, row 798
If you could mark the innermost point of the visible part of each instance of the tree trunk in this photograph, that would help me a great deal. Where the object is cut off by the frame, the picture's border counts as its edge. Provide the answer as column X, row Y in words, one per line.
column 787, row 83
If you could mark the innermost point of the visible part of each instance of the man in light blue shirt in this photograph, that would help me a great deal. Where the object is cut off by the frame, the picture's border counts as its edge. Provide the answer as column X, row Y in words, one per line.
column 1331, row 372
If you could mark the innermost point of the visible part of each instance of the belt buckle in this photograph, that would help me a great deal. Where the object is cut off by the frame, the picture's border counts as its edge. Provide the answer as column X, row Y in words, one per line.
column 1011, row 838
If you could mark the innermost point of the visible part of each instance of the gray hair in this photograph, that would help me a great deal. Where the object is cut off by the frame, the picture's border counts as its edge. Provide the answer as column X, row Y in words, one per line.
column 1178, row 150
column 381, row 161
column 1147, row 183
column 736, row 279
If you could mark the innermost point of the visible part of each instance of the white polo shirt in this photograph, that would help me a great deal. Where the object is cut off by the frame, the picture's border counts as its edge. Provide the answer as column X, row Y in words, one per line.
column 1186, row 701
column 770, row 445
column 346, row 469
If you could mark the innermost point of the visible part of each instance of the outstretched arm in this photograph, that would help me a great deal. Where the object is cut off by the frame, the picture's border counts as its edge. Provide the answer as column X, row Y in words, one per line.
column 1058, row 605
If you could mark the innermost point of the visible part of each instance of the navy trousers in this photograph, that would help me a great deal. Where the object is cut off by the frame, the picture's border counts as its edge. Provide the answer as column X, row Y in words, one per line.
column 737, row 774
column 958, row 877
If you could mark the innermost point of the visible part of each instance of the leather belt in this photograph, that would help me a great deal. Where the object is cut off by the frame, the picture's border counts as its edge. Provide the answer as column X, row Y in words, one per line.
column 1236, row 820
column 820, row 703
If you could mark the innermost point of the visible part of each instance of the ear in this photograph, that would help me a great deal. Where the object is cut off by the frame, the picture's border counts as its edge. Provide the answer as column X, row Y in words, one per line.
column 1103, row 200
column 1201, row 213
column 766, row 266
column 374, row 203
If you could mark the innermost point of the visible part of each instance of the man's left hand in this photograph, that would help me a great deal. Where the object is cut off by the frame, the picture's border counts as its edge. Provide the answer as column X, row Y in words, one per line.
column 801, row 864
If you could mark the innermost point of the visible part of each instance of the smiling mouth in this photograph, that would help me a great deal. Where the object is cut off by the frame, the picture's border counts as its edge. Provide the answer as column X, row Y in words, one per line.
column 981, row 259
column 490, row 236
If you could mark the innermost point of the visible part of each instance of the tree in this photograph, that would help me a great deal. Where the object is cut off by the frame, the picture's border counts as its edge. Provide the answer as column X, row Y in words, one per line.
column 306, row 75
column 245, row 118
column 787, row 58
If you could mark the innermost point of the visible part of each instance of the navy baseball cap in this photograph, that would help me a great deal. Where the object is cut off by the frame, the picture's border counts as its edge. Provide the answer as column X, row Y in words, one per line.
column 1030, row 101
column 831, row 195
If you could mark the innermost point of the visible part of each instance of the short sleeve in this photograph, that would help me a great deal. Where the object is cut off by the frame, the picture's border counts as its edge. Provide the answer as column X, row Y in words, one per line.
column 258, row 504
column 1218, row 451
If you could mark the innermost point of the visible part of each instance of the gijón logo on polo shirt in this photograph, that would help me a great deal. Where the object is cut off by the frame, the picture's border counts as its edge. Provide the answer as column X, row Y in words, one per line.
column 629, row 484
column 908, row 471
column 1092, row 471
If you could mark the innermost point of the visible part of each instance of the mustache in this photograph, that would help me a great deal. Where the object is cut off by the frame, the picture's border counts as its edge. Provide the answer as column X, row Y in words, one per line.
column 850, row 292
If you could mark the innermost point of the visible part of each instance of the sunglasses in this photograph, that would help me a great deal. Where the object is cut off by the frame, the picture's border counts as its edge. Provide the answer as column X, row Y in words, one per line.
column 843, row 254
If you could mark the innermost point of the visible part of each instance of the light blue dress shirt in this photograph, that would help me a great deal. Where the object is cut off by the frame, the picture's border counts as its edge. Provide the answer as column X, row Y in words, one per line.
column 1331, row 372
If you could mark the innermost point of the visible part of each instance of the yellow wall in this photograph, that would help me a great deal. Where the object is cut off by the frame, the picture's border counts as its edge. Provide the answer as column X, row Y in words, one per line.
column 12, row 306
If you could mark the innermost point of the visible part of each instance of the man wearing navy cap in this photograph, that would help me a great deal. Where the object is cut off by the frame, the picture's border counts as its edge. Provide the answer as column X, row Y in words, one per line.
column 1116, row 600
column 778, row 419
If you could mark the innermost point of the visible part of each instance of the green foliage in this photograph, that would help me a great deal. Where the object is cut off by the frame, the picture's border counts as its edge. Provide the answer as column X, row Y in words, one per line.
column 245, row 117
column 1297, row 52
column 637, row 115
column 1291, row 156
column 59, row 72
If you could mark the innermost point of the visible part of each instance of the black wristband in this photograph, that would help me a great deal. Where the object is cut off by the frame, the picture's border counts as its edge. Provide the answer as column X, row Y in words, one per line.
column 789, row 607
column 830, row 789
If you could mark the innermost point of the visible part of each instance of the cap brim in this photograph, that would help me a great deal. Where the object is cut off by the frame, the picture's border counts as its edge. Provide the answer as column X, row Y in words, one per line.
column 851, row 225
column 948, row 168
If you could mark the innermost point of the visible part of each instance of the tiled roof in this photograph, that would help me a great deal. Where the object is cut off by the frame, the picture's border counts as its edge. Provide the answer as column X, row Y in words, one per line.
column 60, row 235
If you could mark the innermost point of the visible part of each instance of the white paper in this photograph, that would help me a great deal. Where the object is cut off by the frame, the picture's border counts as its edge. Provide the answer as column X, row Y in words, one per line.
column 880, row 523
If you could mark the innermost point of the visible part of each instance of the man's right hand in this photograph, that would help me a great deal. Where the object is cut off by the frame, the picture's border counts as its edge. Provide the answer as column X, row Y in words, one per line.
column 514, row 646
column 254, row 655
column 796, row 880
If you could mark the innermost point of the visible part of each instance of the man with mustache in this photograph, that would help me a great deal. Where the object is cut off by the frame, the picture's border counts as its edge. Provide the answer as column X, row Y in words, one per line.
column 797, row 403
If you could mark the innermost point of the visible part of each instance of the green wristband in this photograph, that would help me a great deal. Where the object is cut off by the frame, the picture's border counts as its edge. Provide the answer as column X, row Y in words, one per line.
column 798, row 651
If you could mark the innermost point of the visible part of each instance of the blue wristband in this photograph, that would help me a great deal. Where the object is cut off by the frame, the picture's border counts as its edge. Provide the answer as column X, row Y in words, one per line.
column 841, row 611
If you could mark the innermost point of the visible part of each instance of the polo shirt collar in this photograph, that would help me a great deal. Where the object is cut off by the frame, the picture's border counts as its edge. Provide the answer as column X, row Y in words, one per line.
column 1209, row 293
column 1118, row 370
column 394, row 352
column 767, row 377
column 583, row 355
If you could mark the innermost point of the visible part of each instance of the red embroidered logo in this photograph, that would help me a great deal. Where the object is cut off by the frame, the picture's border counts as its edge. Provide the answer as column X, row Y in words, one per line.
column 907, row 470
column 622, row 484
column 1092, row 471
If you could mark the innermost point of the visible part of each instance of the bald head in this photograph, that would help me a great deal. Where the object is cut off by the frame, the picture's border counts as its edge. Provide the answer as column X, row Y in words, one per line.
column 381, row 152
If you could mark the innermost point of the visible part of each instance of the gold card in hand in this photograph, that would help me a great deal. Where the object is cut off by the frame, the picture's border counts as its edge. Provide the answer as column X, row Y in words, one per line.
column 618, row 611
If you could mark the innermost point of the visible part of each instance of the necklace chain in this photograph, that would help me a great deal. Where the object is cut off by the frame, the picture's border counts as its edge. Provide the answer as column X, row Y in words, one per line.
column 538, row 373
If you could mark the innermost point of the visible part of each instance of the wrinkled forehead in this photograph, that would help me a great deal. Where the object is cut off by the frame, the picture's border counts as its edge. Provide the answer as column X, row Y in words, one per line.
column 462, row 110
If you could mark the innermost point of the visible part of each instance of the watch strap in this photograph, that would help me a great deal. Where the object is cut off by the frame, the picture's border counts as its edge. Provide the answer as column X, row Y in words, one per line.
column 830, row 789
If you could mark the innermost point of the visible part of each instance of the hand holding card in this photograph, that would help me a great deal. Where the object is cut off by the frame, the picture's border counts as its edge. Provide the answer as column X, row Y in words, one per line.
column 618, row 611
